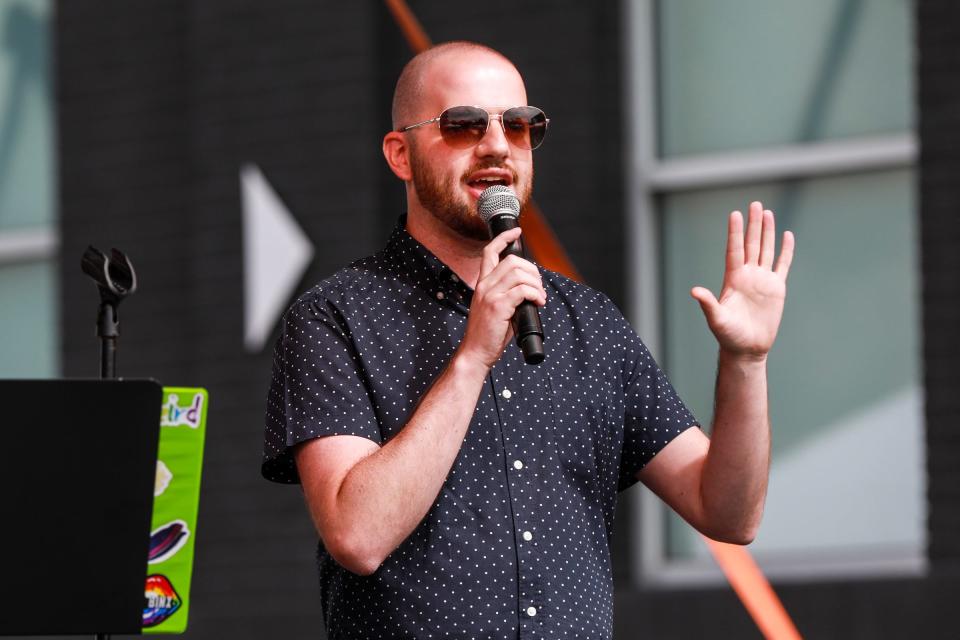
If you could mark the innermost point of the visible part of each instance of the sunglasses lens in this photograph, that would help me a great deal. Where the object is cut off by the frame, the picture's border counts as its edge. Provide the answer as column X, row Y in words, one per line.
column 525, row 126
column 463, row 126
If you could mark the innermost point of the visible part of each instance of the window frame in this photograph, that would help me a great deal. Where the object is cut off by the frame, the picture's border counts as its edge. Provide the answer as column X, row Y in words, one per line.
column 648, row 177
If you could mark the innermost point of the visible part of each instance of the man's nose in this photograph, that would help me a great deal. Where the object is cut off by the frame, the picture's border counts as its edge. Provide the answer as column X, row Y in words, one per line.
column 494, row 141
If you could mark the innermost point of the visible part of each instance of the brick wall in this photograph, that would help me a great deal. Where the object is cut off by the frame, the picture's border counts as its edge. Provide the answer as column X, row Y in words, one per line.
column 160, row 103
column 939, row 97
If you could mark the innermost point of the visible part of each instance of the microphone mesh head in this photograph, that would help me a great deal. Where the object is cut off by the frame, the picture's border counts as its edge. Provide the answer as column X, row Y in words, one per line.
column 498, row 200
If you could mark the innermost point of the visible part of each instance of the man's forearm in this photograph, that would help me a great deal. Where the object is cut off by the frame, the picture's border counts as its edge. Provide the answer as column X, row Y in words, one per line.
column 734, row 480
column 384, row 497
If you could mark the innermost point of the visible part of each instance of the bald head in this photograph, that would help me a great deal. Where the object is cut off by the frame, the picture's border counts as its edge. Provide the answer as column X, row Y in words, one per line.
column 411, row 84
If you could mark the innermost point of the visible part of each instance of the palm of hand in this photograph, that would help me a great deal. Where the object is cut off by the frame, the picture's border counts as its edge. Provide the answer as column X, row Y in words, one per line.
column 746, row 317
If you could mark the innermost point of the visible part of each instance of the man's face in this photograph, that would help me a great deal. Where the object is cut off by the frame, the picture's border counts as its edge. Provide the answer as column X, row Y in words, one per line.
column 449, row 181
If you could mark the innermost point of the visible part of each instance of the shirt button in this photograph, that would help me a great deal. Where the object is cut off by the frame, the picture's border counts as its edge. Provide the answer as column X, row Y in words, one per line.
column 531, row 611
column 506, row 393
column 527, row 536
column 517, row 465
column 454, row 278
column 439, row 295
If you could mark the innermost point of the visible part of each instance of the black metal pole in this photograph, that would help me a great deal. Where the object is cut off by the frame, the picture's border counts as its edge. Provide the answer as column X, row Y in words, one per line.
column 115, row 280
column 108, row 330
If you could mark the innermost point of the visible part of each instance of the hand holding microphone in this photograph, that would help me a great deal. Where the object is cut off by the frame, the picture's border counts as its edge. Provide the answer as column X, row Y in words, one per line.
column 500, row 209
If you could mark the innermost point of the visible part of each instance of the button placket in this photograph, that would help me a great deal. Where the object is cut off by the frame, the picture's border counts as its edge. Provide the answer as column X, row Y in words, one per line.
column 510, row 414
column 522, row 439
column 528, row 391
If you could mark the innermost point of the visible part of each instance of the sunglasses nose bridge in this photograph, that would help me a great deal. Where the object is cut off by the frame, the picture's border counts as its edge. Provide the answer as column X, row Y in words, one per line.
column 502, row 140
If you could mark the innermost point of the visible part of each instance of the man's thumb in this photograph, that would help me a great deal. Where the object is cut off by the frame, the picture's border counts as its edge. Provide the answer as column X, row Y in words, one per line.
column 707, row 301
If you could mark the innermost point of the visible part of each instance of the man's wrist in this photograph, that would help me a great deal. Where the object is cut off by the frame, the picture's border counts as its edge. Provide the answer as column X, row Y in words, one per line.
column 742, row 359
column 463, row 364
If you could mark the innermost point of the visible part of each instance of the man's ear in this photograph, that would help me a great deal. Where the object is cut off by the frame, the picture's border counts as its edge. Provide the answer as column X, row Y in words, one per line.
column 396, row 152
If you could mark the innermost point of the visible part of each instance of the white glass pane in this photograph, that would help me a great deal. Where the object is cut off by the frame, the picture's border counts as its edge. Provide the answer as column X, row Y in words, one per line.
column 845, row 382
column 28, row 321
column 748, row 73
column 27, row 178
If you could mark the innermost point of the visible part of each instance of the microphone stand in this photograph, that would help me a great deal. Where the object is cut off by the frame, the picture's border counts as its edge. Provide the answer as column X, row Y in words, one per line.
column 115, row 279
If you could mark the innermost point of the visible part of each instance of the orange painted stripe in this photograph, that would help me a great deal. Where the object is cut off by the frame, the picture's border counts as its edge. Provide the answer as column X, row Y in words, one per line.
column 754, row 591
column 539, row 238
column 412, row 30
column 749, row 583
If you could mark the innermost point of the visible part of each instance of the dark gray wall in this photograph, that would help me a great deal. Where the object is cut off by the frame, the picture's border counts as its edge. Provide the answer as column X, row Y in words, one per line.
column 939, row 95
column 161, row 101
column 159, row 105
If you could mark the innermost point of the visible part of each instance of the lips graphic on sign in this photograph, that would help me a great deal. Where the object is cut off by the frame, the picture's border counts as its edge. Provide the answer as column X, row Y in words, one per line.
column 162, row 600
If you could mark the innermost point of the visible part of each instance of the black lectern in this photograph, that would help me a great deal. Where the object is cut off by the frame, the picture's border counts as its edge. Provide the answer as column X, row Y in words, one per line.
column 77, row 470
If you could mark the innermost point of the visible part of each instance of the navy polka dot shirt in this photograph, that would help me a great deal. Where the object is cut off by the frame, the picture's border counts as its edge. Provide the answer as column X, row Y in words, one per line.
column 517, row 543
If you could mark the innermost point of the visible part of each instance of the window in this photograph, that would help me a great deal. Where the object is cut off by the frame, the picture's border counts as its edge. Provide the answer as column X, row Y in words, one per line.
column 807, row 107
column 28, row 283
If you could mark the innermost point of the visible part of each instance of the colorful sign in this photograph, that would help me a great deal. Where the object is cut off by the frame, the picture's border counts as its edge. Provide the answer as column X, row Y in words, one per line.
column 183, row 420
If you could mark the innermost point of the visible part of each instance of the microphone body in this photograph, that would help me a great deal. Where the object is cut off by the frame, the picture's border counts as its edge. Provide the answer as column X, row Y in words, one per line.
column 500, row 208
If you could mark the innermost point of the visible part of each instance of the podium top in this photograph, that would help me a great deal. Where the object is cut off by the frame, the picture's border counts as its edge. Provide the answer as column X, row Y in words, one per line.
column 77, row 467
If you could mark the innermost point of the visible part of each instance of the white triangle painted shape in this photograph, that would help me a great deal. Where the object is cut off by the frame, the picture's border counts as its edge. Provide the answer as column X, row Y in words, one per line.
column 276, row 252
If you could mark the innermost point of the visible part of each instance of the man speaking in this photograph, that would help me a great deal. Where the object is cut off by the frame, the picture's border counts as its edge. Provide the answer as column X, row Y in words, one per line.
column 459, row 491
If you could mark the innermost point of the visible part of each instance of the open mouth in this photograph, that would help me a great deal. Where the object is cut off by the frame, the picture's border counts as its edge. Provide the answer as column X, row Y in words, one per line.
column 483, row 183
column 481, row 180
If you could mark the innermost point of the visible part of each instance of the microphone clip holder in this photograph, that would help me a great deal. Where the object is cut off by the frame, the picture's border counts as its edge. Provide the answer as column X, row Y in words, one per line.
column 115, row 279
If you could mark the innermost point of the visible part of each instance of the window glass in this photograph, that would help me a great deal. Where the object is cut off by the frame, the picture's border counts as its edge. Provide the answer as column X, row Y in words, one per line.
column 845, row 381
column 753, row 73
column 28, row 323
column 26, row 140
column 28, row 292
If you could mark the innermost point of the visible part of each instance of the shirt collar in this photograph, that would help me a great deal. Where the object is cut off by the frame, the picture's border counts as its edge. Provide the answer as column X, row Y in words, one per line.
column 425, row 269
column 412, row 255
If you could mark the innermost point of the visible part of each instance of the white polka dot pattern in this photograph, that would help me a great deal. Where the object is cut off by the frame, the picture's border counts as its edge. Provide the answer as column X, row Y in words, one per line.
column 517, row 542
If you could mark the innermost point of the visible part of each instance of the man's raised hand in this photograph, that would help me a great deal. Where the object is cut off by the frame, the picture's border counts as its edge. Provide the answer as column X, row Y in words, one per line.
column 746, row 317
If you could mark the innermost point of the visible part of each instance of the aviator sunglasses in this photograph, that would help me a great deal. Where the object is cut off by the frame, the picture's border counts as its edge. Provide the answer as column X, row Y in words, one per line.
column 463, row 127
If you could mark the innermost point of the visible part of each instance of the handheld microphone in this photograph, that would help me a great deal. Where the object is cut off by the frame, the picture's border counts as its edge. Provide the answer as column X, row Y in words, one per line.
column 500, row 209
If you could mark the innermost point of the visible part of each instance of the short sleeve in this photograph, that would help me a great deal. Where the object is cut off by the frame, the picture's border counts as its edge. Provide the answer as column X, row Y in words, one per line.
column 317, row 388
column 654, row 413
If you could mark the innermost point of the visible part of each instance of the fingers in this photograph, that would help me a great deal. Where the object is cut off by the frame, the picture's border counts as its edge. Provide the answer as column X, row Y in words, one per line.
column 514, row 296
column 759, row 246
column 508, row 282
column 768, row 240
column 511, row 272
column 735, row 241
column 754, row 224
column 491, row 253
column 786, row 254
